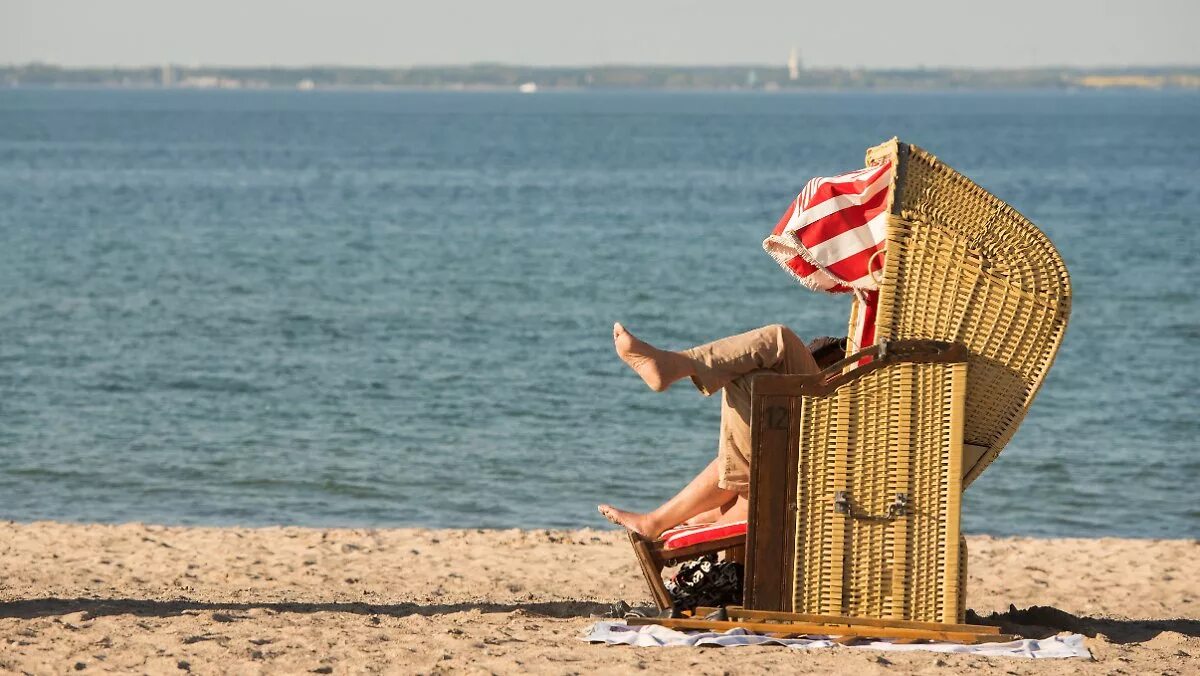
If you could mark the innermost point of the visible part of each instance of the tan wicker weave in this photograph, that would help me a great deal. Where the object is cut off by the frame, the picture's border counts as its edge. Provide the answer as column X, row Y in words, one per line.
column 962, row 266
column 895, row 431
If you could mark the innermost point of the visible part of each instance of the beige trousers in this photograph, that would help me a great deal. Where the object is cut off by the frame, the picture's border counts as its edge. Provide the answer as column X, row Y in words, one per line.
column 730, row 364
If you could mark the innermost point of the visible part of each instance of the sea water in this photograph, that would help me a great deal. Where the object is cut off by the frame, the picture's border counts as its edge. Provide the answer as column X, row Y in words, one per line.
column 395, row 308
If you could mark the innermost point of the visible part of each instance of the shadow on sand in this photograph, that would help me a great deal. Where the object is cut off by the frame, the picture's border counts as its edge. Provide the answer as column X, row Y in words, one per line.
column 1033, row 622
column 1043, row 621
column 49, row 607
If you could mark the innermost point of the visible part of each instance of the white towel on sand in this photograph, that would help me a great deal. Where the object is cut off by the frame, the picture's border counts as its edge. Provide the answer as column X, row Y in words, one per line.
column 655, row 636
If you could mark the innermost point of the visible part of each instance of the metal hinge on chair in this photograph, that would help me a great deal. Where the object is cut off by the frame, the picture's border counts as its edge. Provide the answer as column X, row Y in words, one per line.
column 898, row 508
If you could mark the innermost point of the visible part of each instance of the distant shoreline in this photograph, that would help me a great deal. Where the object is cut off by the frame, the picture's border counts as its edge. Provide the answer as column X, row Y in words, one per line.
column 482, row 89
column 501, row 77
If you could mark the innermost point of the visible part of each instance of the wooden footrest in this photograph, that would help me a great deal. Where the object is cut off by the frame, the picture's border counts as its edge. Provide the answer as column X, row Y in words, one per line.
column 780, row 623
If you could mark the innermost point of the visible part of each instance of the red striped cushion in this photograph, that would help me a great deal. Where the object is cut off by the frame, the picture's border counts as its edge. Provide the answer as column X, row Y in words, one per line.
column 685, row 536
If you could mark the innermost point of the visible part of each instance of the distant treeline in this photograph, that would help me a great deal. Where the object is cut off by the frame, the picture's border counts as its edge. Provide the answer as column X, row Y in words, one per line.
column 640, row 77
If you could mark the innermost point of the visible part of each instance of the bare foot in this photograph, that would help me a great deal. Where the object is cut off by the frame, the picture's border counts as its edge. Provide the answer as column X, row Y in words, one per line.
column 638, row 523
column 658, row 368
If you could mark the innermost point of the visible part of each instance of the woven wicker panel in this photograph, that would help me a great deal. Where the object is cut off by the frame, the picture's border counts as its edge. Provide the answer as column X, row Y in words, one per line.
column 895, row 430
column 816, row 586
column 965, row 267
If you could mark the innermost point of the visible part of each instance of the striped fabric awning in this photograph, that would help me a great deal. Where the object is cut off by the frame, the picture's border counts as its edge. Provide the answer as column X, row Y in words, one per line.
column 831, row 234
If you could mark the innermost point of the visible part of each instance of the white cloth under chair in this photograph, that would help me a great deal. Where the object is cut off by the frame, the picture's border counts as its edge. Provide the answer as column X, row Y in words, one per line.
column 655, row 636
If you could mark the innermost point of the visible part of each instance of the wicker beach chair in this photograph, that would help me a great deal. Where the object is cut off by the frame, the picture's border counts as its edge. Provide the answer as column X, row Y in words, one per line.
column 858, row 471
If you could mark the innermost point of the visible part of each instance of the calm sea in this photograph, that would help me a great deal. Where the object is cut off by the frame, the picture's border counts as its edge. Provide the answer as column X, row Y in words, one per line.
column 395, row 309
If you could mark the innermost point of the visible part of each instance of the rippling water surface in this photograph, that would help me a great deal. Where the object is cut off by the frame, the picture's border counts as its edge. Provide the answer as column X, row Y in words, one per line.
column 395, row 308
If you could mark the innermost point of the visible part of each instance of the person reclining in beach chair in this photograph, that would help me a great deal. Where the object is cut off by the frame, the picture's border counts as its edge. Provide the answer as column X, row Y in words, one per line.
column 719, row 493
column 935, row 263
column 846, row 244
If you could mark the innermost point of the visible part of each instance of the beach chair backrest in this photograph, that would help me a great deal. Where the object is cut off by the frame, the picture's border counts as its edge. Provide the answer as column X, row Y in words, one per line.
column 963, row 266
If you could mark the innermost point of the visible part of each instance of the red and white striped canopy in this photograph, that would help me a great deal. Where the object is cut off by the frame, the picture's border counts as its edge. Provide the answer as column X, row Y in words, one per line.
column 829, row 237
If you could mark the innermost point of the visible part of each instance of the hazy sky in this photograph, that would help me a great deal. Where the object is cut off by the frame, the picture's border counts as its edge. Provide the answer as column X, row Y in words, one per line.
column 896, row 33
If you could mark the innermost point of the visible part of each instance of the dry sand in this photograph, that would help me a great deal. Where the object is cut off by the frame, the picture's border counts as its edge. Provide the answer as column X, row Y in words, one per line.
column 136, row 598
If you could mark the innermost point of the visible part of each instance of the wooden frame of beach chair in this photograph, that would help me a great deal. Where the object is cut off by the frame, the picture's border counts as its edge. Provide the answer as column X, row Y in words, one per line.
column 846, row 630
column 961, row 267
column 653, row 557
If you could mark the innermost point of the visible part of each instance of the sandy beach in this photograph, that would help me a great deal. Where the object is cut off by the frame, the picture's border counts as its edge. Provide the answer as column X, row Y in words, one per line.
column 152, row 599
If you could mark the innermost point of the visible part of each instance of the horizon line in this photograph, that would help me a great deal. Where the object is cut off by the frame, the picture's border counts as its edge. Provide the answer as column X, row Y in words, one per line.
column 505, row 64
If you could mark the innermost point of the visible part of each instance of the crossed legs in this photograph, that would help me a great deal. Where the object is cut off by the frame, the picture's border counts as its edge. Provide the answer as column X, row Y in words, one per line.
column 719, row 492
